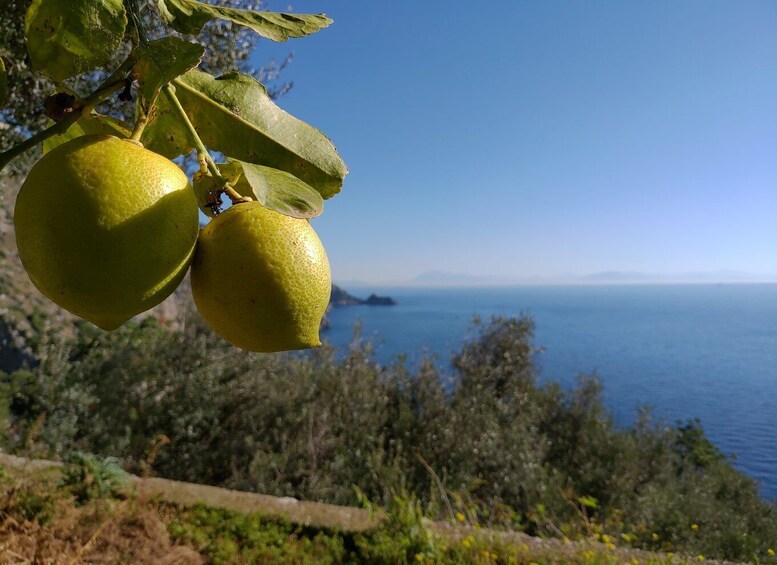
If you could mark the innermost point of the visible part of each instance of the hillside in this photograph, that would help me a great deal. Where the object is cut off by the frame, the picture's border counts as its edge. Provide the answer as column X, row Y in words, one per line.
column 86, row 513
column 493, row 446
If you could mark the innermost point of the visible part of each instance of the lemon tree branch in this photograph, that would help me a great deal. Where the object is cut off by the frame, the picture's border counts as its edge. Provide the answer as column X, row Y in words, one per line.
column 202, row 151
column 79, row 108
column 140, row 125
column 144, row 111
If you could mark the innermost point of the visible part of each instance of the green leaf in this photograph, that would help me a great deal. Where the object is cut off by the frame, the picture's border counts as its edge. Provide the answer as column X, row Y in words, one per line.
column 162, row 60
column 234, row 115
column 95, row 124
column 588, row 501
column 277, row 190
column 3, row 82
column 69, row 37
column 189, row 16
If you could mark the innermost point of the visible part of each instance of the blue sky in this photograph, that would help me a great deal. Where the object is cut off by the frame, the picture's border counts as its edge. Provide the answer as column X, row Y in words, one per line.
column 535, row 138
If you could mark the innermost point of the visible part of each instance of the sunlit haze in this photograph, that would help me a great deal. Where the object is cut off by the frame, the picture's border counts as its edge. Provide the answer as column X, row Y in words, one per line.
column 518, row 139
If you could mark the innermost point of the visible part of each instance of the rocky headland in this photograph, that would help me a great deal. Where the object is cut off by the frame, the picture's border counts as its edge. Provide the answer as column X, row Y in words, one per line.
column 341, row 297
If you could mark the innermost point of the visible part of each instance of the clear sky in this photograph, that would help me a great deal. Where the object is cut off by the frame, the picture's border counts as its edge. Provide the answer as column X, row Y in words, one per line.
column 534, row 138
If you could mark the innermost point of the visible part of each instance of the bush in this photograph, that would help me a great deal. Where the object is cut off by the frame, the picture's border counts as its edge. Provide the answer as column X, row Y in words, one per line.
column 87, row 478
column 491, row 443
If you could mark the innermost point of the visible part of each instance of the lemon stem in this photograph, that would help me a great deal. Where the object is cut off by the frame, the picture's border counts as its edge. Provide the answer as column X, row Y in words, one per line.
column 140, row 124
column 202, row 152
column 145, row 108
column 136, row 23
column 79, row 108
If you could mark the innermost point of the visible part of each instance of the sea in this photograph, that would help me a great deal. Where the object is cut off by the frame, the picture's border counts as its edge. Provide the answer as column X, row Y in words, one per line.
column 687, row 351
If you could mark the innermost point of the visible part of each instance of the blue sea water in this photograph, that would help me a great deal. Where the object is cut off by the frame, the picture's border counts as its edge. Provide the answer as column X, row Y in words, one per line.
column 688, row 351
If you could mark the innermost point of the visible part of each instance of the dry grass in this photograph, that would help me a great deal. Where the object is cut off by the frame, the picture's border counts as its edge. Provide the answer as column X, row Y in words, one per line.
column 90, row 536
column 103, row 531
column 41, row 524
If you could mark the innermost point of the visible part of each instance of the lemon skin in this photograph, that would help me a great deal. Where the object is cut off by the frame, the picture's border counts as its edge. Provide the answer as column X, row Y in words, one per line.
column 261, row 280
column 105, row 228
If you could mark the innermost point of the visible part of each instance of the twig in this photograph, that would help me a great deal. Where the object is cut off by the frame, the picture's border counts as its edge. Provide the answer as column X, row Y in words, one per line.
column 4, row 550
column 135, row 19
column 114, row 83
column 202, row 151
column 145, row 108
column 83, row 548
column 439, row 484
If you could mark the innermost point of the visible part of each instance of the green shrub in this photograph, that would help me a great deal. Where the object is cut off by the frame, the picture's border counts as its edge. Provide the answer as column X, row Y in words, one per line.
column 489, row 440
column 402, row 536
column 87, row 477
column 229, row 537
column 32, row 506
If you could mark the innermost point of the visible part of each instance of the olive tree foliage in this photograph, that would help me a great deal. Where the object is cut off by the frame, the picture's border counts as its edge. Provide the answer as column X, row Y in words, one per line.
column 23, row 311
column 489, row 439
column 228, row 47
column 22, row 111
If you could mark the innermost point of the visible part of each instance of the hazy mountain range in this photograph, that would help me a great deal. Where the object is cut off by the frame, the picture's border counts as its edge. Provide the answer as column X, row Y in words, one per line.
column 442, row 278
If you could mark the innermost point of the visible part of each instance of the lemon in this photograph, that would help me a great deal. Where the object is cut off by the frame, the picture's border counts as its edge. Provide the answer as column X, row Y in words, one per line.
column 261, row 280
column 105, row 228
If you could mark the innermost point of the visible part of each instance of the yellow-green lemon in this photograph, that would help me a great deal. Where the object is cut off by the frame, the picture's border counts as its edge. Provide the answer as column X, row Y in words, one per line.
column 261, row 280
column 105, row 228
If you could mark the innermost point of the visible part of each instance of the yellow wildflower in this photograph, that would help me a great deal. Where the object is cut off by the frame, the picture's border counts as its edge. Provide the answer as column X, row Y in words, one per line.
column 770, row 551
column 695, row 527
column 459, row 516
column 700, row 557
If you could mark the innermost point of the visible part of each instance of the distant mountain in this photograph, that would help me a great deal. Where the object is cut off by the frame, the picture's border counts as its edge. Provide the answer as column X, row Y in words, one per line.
column 720, row 276
column 729, row 276
column 443, row 278
column 618, row 276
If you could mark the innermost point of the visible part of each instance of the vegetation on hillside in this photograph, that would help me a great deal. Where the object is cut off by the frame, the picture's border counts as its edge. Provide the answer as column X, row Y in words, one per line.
column 488, row 445
column 57, row 515
column 229, row 47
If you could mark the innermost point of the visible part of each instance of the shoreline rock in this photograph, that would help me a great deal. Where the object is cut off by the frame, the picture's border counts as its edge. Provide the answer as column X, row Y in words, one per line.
column 375, row 300
column 341, row 297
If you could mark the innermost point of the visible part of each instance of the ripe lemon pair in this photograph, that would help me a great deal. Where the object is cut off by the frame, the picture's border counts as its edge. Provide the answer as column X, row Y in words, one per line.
column 107, row 230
